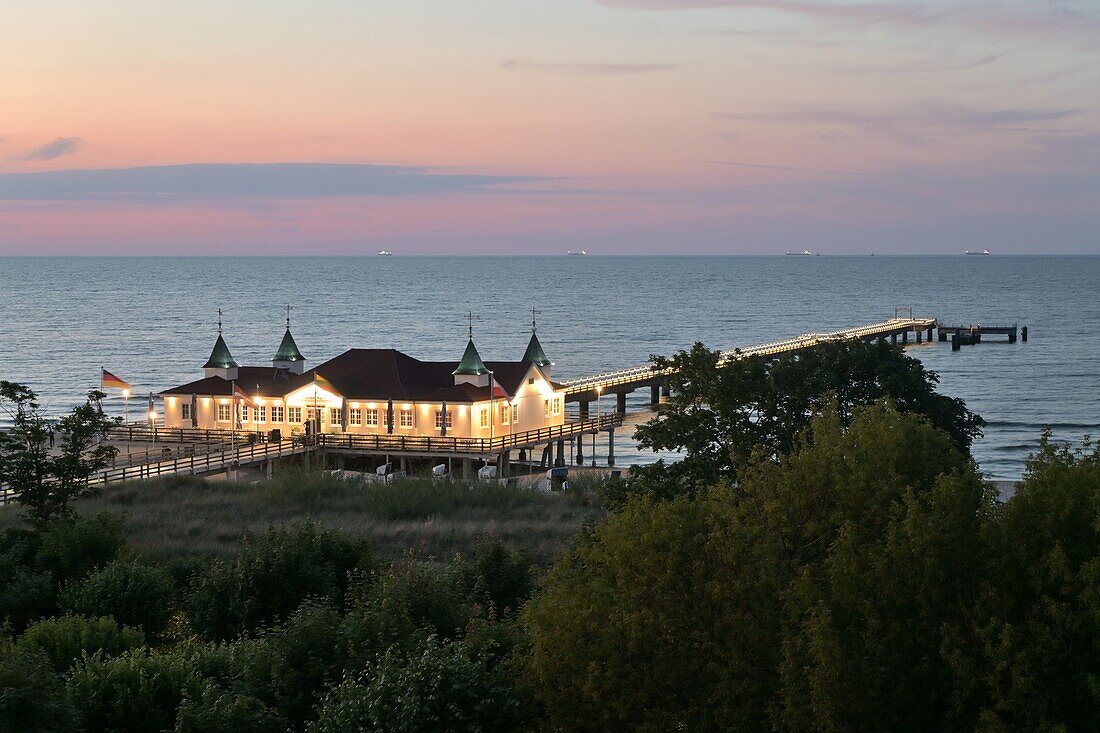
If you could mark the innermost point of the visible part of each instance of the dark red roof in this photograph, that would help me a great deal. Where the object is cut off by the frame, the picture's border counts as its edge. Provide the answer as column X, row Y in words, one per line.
column 370, row 374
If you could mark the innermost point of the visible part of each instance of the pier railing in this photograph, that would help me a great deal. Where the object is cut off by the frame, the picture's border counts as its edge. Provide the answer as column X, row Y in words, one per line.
column 608, row 381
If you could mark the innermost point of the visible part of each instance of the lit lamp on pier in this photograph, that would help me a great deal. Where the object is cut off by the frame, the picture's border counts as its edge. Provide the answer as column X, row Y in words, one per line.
column 599, row 393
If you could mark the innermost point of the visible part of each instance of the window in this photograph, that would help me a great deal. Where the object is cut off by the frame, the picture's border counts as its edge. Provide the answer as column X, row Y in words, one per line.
column 278, row 412
column 439, row 419
column 515, row 413
column 406, row 419
column 225, row 413
column 485, row 418
column 261, row 413
column 372, row 418
column 244, row 413
column 355, row 416
column 185, row 411
column 293, row 414
column 557, row 406
column 531, row 380
column 335, row 416
column 504, row 414
column 546, row 408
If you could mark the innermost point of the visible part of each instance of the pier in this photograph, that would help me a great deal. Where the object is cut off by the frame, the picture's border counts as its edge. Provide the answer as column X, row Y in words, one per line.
column 192, row 451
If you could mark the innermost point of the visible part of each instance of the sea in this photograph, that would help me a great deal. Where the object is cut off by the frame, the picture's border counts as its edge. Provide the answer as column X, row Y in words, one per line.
column 153, row 321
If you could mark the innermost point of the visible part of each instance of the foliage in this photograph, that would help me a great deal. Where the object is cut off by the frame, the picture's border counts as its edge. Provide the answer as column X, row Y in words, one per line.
column 1036, row 665
column 219, row 711
column 812, row 596
column 270, row 576
column 720, row 416
column 429, row 594
column 32, row 696
column 497, row 579
column 134, row 594
column 45, row 481
column 66, row 639
column 138, row 691
column 438, row 687
column 71, row 548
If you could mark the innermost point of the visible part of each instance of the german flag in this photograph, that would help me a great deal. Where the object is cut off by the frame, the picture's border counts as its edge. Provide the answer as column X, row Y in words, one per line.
column 110, row 380
column 319, row 381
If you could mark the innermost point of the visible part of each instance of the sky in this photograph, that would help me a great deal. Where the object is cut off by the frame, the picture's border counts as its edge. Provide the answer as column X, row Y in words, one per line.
column 532, row 127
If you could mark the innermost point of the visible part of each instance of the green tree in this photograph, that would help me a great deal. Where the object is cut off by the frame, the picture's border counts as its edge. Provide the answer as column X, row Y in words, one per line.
column 814, row 595
column 43, row 480
column 32, row 696
column 1036, row 666
column 721, row 413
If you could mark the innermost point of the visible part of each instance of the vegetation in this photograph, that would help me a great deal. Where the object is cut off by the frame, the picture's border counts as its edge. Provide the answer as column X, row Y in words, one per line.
column 41, row 479
column 857, row 575
column 759, row 408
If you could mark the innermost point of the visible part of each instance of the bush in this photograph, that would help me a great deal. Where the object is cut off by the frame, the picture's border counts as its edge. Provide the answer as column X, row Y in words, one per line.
column 138, row 691
column 25, row 595
column 270, row 577
column 218, row 711
column 32, row 697
column 432, row 595
column 497, row 578
column 66, row 639
column 71, row 548
column 132, row 593
column 439, row 687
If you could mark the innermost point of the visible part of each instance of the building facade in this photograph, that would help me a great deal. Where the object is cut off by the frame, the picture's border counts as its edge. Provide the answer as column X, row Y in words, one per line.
column 371, row 392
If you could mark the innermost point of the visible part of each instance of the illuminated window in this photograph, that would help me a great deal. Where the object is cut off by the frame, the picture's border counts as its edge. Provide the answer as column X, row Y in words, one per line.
column 406, row 419
column 261, row 413
column 185, row 411
column 293, row 414
column 515, row 413
column 244, row 413
column 439, row 419
column 372, row 418
column 355, row 416
column 278, row 413
column 335, row 416
column 485, row 418
column 557, row 406
column 225, row 413
column 504, row 414
column 546, row 408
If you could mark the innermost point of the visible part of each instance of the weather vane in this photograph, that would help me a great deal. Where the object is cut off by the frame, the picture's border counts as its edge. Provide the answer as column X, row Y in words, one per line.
column 288, row 316
column 470, row 318
column 534, row 313
column 219, row 321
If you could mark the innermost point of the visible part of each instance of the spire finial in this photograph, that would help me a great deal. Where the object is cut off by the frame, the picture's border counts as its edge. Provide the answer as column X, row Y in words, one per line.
column 219, row 321
column 534, row 313
column 288, row 316
column 470, row 318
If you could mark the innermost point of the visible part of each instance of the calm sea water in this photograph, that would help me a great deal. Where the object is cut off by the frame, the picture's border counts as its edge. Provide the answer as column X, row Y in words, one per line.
column 152, row 321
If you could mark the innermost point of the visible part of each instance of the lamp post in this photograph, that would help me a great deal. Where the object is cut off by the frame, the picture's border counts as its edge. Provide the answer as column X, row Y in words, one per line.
column 125, row 405
column 599, row 394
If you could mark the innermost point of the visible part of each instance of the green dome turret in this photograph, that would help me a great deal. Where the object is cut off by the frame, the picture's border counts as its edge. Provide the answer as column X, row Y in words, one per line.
column 471, row 364
column 220, row 358
column 288, row 350
column 535, row 353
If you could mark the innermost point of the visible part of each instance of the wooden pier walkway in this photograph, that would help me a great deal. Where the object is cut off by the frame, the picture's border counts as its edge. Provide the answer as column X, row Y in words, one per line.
column 624, row 381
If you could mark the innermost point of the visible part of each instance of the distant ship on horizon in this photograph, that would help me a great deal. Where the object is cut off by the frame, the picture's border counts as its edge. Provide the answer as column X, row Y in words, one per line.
column 385, row 253
column 577, row 253
column 800, row 253
column 977, row 252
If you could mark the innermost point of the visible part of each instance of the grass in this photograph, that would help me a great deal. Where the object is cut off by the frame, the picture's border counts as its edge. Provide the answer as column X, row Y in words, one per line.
column 189, row 516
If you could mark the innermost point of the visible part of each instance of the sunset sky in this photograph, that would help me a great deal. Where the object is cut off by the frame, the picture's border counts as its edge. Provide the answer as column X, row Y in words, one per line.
column 536, row 126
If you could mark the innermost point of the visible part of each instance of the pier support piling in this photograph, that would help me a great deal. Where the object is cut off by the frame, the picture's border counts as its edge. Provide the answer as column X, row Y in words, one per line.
column 560, row 459
column 919, row 335
column 905, row 337
column 580, row 450
column 1023, row 334
column 584, row 409
column 955, row 343
column 666, row 391
column 893, row 338
column 929, row 333
column 654, row 395
column 620, row 403
column 610, row 447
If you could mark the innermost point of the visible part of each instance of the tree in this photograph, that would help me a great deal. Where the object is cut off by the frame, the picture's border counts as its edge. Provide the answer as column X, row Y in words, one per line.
column 46, row 482
column 814, row 595
column 719, row 414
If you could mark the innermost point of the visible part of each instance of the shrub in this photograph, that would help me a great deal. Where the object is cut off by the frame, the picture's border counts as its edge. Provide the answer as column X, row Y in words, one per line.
column 71, row 548
column 497, row 578
column 430, row 594
column 25, row 595
column 218, row 711
column 65, row 639
column 132, row 593
column 270, row 576
column 138, row 691
column 32, row 697
column 438, row 687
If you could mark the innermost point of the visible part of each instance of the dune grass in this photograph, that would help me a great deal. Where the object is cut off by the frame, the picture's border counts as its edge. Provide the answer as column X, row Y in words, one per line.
column 182, row 516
